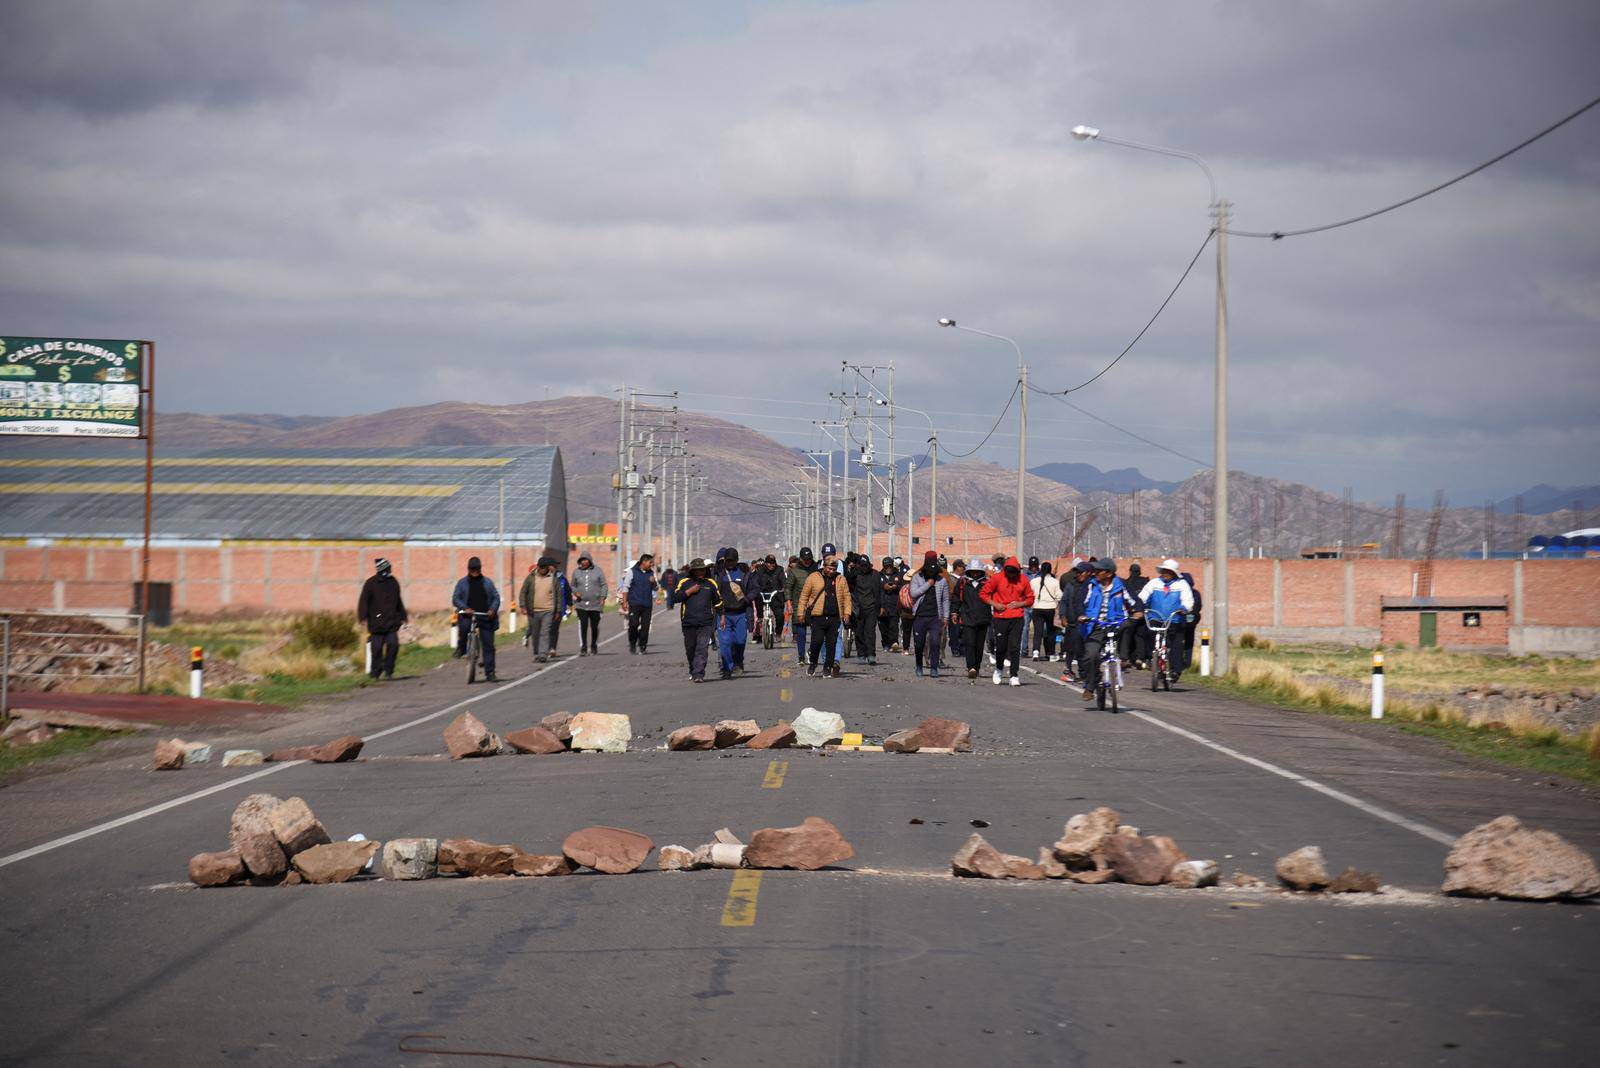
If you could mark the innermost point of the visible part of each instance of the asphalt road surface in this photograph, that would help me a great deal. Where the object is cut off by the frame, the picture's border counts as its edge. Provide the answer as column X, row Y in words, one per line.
column 109, row 957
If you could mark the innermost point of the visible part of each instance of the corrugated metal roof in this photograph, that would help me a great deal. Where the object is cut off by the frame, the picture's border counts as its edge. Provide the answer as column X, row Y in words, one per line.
column 423, row 493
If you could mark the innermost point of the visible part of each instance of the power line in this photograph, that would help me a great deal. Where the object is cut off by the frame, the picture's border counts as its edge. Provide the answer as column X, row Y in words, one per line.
column 1192, row 261
column 1125, row 430
column 1278, row 235
column 990, row 434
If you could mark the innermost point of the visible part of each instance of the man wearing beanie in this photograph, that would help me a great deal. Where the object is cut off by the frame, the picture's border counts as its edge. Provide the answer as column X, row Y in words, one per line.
column 476, row 593
column 383, row 612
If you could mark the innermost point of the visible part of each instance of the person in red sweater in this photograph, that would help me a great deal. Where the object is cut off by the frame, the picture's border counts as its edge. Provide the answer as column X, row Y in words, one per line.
column 1010, row 595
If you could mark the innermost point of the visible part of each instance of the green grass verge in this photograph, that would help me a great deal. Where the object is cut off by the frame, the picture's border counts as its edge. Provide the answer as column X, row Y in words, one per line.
column 70, row 740
column 1547, row 754
column 292, row 692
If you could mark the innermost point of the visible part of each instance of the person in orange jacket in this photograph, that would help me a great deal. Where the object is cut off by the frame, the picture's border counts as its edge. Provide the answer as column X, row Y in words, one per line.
column 1010, row 594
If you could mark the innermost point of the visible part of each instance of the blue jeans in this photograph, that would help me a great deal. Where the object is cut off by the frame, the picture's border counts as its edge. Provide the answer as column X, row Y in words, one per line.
column 732, row 632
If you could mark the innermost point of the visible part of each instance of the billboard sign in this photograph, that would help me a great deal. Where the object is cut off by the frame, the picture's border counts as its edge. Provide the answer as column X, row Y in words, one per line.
column 71, row 387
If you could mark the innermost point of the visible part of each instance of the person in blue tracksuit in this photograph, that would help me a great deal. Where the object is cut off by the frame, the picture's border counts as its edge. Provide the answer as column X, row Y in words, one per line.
column 1169, row 598
column 733, row 619
column 1106, row 606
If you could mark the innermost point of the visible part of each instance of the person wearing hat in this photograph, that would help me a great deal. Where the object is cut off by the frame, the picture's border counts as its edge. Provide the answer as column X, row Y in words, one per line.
column 733, row 617
column 383, row 612
column 1169, row 598
column 1106, row 605
column 476, row 593
column 930, row 609
column 795, row 582
column 866, row 587
column 589, row 589
column 698, row 603
column 1073, row 590
column 824, row 604
column 1010, row 595
column 544, row 599
column 768, row 580
column 997, row 566
column 968, row 604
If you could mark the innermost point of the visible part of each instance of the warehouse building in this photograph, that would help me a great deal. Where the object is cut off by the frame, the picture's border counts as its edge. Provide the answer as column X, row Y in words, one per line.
column 253, row 529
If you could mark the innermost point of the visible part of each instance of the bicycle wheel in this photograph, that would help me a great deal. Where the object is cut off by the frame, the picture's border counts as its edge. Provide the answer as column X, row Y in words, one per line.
column 1158, row 668
column 1100, row 690
column 472, row 658
column 767, row 627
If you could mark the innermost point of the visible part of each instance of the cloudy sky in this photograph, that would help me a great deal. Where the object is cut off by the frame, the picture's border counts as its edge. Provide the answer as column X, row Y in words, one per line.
column 326, row 208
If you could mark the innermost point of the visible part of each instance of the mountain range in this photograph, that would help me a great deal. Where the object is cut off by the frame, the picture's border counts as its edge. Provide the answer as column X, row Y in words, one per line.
column 1072, row 508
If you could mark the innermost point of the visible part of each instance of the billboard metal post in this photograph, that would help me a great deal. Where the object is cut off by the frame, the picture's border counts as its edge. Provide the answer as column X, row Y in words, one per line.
column 149, row 391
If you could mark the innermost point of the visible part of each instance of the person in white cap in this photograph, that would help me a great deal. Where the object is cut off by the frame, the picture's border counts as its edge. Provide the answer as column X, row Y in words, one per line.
column 1168, row 597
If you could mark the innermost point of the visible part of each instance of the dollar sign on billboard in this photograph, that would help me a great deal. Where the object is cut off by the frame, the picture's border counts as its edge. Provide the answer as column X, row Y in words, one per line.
column 131, row 350
column 64, row 374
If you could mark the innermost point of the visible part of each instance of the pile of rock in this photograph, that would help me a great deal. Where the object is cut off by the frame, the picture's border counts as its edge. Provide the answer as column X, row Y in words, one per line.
column 1306, row 871
column 814, row 844
column 280, row 843
column 932, row 735
column 24, row 731
column 730, row 733
column 559, row 732
column 175, row 753
column 1504, row 858
column 1097, row 847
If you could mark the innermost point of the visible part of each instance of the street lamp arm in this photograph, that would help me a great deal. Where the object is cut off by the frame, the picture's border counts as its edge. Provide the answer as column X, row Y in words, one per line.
column 1175, row 153
column 997, row 337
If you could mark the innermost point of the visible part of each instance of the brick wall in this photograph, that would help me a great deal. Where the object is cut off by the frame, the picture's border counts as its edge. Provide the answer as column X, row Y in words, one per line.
column 1493, row 633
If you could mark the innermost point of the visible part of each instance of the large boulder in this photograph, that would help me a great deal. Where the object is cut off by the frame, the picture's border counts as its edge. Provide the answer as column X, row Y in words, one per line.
column 731, row 732
column 410, row 858
column 1084, row 835
column 1052, row 868
column 814, row 728
column 1504, row 858
column 560, row 725
column 675, row 858
column 1351, row 881
column 977, row 859
column 263, row 857
column 334, row 862
column 298, row 752
column 814, row 844
column 243, row 758
column 541, row 864
column 1140, row 860
column 170, row 754
column 468, row 737
column 296, row 827
column 698, row 736
column 937, row 733
column 1304, row 869
column 253, row 816
column 537, row 740
column 338, row 751
column 216, row 869
column 607, row 849
column 468, row 856
column 778, row 736
column 605, row 732
column 907, row 741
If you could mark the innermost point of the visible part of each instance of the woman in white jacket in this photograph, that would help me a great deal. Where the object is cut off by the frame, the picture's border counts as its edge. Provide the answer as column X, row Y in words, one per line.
column 1046, row 595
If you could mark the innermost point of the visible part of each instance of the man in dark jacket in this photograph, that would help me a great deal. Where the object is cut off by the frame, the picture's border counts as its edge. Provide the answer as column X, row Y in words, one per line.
column 476, row 594
column 1073, row 593
column 768, row 580
column 383, row 612
column 889, row 582
column 975, row 614
column 637, row 599
column 794, row 583
column 1133, row 640
column 865, row 589
column 698, row 603
column 733, row 618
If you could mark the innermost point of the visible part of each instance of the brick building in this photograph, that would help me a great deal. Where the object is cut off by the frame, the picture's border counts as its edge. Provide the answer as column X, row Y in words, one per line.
column 958, row 536
column 273, row 529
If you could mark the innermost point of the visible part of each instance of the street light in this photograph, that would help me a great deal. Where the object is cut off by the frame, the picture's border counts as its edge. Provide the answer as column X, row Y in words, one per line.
column 1022, row 435
column 1220, row 211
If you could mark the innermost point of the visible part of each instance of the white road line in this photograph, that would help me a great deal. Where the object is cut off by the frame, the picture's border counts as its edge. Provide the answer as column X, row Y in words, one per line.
column 153, row 810
column 1311, row 784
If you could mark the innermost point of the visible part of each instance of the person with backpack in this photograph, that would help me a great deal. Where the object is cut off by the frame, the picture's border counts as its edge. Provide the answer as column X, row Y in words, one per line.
column 636, row 599
column 698, row 601
column 1010, row 595
column 381, row 608
column 824, row 604
column 733, row 619
column 930, row 608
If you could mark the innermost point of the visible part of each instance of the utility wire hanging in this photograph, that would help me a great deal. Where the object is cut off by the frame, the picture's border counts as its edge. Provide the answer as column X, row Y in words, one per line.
column 1146, row 329
column 1206, row 464
column 1278, row 235
column 990, row 434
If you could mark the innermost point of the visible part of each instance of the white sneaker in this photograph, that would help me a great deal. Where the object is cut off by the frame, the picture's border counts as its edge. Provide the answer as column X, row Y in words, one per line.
column 997, row 676
column 1015, row 681
column 991, row 659
column 1006, row 664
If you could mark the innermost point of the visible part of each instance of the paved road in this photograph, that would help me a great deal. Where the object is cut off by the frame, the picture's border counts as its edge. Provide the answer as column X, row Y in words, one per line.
column 111, row 959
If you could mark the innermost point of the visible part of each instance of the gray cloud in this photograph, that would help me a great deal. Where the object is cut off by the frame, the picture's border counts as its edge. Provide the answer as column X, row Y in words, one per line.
column 326, row 208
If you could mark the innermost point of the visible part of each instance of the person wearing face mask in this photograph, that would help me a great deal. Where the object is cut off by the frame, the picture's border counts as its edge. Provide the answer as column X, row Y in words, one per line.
column 976, row 615
column 733, row 622
column 889, row 583
column 865, row 587
column 1009, row 595
column 768, row 579
column 698, row 604
column 824, row 605
column 930, row 608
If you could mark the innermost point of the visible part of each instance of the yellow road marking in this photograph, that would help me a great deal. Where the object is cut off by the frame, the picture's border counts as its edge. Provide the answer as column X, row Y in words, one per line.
column 784, row 673
column 740, row 908
column 775, row 773
column 786, row 695
column 263, row 489
column 784, row 659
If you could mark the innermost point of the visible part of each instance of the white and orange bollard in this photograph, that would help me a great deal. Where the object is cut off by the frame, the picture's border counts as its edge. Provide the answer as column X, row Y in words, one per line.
column 1377, row 685
column 1205, row 653
column 197, row 671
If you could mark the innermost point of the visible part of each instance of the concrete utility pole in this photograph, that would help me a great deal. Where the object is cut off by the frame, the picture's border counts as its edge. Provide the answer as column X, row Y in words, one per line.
column 1221, row 211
